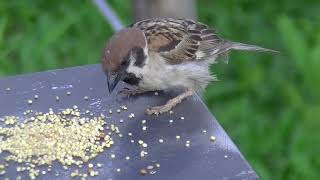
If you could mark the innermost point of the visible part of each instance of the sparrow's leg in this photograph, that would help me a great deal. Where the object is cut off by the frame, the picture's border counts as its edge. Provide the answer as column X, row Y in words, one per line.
column 130, row 92
column 170, row 104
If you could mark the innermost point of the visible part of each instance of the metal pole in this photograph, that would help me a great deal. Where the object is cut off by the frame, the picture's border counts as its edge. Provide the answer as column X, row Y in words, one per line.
column 109, row 14
column 144, row 9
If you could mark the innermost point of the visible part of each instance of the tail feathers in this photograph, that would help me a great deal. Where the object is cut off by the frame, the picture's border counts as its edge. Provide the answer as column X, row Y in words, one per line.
column 229, row 45
column 249, row 47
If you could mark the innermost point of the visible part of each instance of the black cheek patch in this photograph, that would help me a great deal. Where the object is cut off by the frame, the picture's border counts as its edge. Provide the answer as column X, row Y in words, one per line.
column 131, row 79
column 140, row 57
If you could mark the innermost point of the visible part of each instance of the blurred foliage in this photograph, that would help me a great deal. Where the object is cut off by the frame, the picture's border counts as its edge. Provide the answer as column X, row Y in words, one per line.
column 269, row 104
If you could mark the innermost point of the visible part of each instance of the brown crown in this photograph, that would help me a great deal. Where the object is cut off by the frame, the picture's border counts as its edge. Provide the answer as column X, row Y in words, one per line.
column 119, row 46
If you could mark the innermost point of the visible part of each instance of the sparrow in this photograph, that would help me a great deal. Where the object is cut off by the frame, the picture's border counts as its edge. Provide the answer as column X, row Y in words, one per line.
column 166, row 54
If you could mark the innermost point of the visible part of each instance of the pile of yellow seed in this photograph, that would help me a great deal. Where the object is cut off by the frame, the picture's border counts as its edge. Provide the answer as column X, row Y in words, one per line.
column 65, row 137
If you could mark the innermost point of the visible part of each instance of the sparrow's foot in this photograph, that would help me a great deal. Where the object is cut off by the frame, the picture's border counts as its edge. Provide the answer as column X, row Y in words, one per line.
column 156, row 110
column 126, row 92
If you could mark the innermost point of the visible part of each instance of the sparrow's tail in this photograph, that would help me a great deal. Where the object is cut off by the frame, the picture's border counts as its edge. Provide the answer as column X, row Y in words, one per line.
column 248, row 47
column 229, row 45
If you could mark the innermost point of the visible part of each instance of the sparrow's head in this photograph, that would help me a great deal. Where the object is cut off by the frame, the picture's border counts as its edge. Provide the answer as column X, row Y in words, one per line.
column 124, row 49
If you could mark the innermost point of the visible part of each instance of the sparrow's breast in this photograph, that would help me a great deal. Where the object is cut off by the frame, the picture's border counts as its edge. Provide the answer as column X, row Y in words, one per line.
column 158, row 75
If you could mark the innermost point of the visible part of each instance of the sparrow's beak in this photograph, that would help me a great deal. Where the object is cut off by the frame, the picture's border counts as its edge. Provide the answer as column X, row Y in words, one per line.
column 113, row 80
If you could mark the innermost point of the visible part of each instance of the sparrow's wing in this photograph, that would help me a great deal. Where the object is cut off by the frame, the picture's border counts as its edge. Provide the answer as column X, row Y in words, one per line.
column 180, row 40
column 183, row 40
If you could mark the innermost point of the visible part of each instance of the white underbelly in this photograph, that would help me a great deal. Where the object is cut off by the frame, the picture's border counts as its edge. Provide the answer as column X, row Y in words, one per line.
column 176, row 76
column 158, row 75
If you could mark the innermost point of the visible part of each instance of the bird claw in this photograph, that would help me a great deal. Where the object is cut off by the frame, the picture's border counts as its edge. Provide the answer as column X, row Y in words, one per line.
column 126, row 92
column 157, row 110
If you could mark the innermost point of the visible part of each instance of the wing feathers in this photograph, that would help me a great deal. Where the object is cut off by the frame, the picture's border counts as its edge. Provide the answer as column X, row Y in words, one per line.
column 183, row 40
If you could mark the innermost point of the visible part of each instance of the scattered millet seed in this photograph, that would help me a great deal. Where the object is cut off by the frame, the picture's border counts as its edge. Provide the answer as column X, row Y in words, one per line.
column 140, row 142
column 177, row 137
column 160, row 140
column 18, row 169
column 120, row 135
column 77, row 140
column 187, row 145
column 170, row 121
column 127, row 158
column 73, row 174
column 144, row 145
column 143, row 153
column 86, row 98
column 144, row 128
column 121, row 120
column 225, row 156
column 9, row 120
column 29, row 101
column 57, row 98
column 150, row 167
column 157, row 165
column 156, row 93
column 132, row 141
column 212, row 138
column 131, row 115
column 99, row 165
column 152, row 172
column 143, row 121
column 182, row 118
column 118, row 170
column 143, row 171
column 204, row 131
column 68, row 93
column 113, row 156
column 171, row 112
column 93, row 173
column 129, row 134
column 90, row 165
column 8, row 89
column 36, row 96
column 110, row 111
column 124, row 107
column 118, row 110
column 187, row 142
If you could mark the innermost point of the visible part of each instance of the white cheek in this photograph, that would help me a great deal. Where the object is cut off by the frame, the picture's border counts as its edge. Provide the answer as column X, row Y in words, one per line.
column 133, row 69
column 138, row 71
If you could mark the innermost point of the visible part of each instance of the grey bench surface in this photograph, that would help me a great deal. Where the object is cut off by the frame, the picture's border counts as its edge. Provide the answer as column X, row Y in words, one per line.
column 202, row 160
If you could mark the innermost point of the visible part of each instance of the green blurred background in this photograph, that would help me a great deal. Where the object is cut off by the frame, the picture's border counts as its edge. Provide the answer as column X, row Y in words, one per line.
column 269, row 104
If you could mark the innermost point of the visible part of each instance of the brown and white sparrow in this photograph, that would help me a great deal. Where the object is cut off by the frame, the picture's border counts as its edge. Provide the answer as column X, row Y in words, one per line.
column 165, row 54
